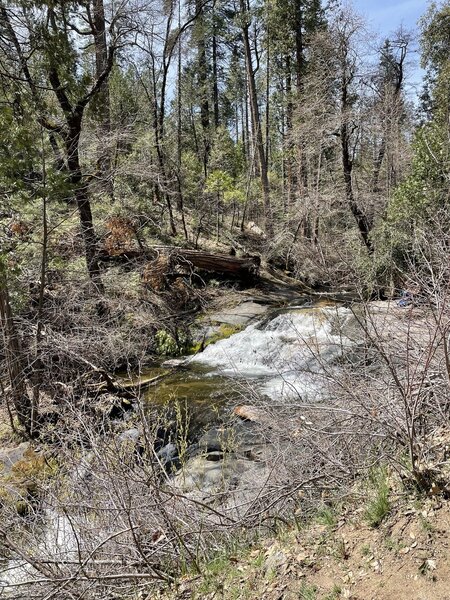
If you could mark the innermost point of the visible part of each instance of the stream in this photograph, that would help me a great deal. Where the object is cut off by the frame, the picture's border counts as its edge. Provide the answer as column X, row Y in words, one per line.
column 283, row 355
column 280, row 356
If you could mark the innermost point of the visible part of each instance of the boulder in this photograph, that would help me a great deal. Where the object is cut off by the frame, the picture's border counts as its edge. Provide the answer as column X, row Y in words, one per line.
column 9, row 457
column 212, row 476
column 247, row 412
column 252, row 228
column 241, row 314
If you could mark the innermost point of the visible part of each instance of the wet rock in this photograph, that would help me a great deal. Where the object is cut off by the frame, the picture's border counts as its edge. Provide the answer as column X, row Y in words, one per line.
column 239, row 315
column 9, row 457
column 213, row 476
column 217, row 439
column 214, row 456
column 248, row 434
column 173, row 362
column 230, row 463
column 241, row 438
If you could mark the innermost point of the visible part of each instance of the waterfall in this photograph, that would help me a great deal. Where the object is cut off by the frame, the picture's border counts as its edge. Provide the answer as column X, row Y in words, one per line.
column 288, row 353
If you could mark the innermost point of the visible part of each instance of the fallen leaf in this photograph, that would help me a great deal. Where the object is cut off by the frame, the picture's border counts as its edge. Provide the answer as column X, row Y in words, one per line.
column 431, row 564
column 301, row 556
column 376, row 565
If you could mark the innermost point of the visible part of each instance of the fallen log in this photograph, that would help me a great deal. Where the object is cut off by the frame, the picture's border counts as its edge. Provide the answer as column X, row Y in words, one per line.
column 243, row 268
column 128, row 388
column 172, row 257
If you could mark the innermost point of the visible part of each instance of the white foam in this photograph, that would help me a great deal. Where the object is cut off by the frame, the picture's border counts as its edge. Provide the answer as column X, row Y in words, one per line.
column 57, row 540
column 290, row 351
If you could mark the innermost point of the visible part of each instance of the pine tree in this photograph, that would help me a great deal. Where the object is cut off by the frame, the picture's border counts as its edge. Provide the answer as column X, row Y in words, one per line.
column 424, row 197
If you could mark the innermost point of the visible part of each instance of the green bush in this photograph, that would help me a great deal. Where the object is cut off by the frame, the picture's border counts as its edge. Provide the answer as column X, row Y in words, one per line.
column 379, row 504
column 168, row 344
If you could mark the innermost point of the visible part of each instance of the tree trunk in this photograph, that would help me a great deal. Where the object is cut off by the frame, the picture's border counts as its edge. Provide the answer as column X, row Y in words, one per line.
column 158, row 131
column 292, row 179
column 82, row 199
column 256, row 120
column 299, row 71
column 347, row 163
column 267, row 132
column 180, row 202
column 174, row 259
column 203, row 84
column 217, row 217
column 215, row 78
column 241, row 268
column 103, row 98
column 377, row 166
column 13, row 352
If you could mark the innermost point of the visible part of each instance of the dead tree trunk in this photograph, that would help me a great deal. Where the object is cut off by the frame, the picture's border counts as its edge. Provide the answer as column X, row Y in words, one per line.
column 347, row 164
column 347, row 76
column 243, row 268
column 21, row 400
column 173, row 259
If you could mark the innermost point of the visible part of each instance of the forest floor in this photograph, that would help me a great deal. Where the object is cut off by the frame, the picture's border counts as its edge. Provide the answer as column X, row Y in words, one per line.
column 337, row 554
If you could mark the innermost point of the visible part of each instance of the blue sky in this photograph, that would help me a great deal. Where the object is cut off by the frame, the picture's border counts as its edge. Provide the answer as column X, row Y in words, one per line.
column 386, row 15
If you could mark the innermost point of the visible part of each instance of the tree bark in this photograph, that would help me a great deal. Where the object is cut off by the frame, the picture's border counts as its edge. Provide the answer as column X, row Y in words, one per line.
column 242, row 268
column 21, row 400
column 72, row 140
column 103, row 98
column 299, row 72
column 292, row 179
column 202, row 66
column 256, row 120
column 346, row 77
column 215, row 78
column 347, row 163
column 180, row 200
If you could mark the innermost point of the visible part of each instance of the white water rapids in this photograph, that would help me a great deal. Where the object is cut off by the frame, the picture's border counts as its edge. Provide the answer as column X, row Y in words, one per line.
column 57, row 540
column 283, row 357
column 288, row 354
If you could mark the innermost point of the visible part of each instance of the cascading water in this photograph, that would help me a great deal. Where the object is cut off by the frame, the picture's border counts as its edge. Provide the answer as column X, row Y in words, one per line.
column 57, row 539
column 283, row 357
column 287, row 354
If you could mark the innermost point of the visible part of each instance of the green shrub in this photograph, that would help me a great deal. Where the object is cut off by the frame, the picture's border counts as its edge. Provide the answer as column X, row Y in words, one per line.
column 308, row 592
column 379, row 505
column 172, row 345
column 326, row 516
